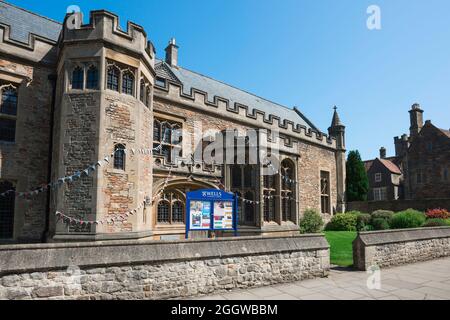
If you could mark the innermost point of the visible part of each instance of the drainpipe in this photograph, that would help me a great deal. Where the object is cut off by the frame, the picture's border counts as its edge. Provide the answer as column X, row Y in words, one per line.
column 52, row 78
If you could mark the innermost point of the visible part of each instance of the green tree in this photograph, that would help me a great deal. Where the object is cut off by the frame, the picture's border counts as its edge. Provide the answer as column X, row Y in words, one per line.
column 357, row 181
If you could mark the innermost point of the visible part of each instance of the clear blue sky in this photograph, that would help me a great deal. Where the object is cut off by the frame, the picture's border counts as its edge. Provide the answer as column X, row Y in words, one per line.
column 311, row 54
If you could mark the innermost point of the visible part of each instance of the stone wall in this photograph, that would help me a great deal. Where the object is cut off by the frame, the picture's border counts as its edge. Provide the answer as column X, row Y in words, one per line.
column 396, row 247
column 398, row 205
column 157, row 270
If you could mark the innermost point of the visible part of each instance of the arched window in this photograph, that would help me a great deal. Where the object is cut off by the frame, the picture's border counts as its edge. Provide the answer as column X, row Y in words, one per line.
column 170, row 209
column 240, row 212
column 112, row 78
column 163, row 211
column 8, row 111
column 77, row 78
column 92, row 78
column 177, row 211
column 269, row 191
column 287, row 191
column 9, row 101
column 249, row 208
column 148, row 94
column 236, row 176
column 142, row 91
column 7, row 210
column 119, row 157
column 128, row 83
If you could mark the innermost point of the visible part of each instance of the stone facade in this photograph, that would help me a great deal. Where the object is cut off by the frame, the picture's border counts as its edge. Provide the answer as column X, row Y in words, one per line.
column 196, row 270
column 395, row 247
column 85, row 90
column 420, row 168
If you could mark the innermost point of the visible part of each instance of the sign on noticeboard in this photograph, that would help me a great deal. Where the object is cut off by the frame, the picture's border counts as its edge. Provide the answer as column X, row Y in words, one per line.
column 211, row 210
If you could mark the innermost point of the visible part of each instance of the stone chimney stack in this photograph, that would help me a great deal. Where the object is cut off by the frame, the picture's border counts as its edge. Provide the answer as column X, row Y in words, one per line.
column 416, row 119
column 382, row 153
column 172, row 53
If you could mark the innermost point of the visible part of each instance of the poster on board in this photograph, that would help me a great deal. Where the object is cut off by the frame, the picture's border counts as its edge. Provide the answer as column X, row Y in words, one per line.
column 200, row 215
column 223, row 215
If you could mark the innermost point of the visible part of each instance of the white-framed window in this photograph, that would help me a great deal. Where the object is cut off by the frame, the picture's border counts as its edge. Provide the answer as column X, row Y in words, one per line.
column 379, row 194
column 378, row 177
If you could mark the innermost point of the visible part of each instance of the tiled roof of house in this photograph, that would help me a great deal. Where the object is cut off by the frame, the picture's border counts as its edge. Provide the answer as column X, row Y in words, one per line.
column 22, row 23
column 368, row 164
column 213, row 88
column 392, row 167
column 446, row 132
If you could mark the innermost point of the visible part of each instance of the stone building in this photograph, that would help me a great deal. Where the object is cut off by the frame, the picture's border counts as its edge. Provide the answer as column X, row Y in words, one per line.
column 92, row 110
column 420, row 167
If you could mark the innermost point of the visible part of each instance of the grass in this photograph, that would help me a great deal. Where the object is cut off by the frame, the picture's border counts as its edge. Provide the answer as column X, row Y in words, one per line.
column 341, row 247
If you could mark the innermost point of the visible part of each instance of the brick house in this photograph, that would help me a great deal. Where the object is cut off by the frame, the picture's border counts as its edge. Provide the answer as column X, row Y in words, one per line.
column 420, row 167
column 74, row 94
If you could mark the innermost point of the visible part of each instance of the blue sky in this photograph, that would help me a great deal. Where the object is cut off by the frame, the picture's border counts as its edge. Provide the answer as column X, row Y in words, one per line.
column 310, row 54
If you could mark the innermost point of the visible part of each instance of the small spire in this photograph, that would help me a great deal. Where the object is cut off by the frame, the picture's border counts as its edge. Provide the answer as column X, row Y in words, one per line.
column 336, row 121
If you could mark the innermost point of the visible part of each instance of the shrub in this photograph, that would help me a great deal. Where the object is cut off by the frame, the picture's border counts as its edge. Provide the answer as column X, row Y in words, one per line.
column 407, row 219
column 437, row 214
column 363, row 222
column 380, row 224
column 343, row 222
column 435, row 223
column 385, row 215
column 311, row 222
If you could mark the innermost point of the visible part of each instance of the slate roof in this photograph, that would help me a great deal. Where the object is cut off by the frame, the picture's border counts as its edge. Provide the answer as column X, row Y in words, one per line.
column 22, row 23
column 213, row 87
column 446, row 132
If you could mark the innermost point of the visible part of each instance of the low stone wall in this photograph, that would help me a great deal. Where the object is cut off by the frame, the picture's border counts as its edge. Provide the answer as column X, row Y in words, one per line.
column 399, row 205
column 157, row 269
column 396, row 247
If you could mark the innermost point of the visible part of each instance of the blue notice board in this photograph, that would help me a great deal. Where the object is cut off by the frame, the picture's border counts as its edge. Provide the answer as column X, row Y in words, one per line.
column 210, row 210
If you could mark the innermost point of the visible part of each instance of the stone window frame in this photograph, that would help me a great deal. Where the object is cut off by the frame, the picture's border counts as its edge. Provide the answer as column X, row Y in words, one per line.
column 120, row 157
column 270, row 189
column 85, row 66
column 89, row 84
column 7, row 203
column 380, row 194
column 288, row 190
column 145, row 91
column 378, row 177
column 12, row 118
column 325, row 192
column 172, row 122
column 122, row 71
column 170, row 198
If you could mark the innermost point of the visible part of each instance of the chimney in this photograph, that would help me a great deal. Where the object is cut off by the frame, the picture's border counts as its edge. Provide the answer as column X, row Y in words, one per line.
column 416, row 119
column 382, row 153
column 401, row 145
column 172, row 53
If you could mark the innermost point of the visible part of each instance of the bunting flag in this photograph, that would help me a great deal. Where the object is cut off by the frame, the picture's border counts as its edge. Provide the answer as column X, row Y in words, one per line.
column 77, row 175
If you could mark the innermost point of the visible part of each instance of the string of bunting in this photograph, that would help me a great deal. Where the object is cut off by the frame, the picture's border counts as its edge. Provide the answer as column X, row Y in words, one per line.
column 121, row 217
column 77, row 175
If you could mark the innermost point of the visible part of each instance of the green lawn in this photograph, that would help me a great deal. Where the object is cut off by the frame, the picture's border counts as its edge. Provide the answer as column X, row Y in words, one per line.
column 341, row 247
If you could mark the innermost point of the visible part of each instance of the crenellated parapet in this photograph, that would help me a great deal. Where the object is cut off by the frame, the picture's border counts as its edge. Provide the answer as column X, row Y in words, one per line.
column 104, row 26
column 241, row 113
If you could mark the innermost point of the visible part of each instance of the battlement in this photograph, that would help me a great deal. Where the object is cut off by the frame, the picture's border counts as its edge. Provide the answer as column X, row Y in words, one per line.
column 105, row 26
column 199, row 99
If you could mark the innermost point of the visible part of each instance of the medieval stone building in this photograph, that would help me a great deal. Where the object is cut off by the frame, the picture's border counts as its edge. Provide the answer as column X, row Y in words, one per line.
column 420, row 167
column 82, row 105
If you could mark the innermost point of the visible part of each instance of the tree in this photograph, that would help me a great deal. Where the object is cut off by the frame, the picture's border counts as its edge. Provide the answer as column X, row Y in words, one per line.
column 357, row 181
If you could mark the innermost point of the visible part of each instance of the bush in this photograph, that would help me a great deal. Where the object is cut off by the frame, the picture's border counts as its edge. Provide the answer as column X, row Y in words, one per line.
column 363, row 222
column 437, row 214
column 380, row 224
column 384, row 215
column 343, row 222
column 407, row 219
column 311, row 222
column 435, row 223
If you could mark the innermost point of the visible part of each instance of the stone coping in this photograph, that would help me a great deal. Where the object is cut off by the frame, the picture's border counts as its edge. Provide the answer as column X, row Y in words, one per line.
column 51, row 256
column 373, row 238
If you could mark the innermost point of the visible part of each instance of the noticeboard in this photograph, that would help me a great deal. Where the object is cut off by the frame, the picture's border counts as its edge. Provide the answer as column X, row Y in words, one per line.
column 210, row 210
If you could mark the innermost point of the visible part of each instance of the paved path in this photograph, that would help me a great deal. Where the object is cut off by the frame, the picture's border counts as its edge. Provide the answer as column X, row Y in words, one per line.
column 425, row 280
